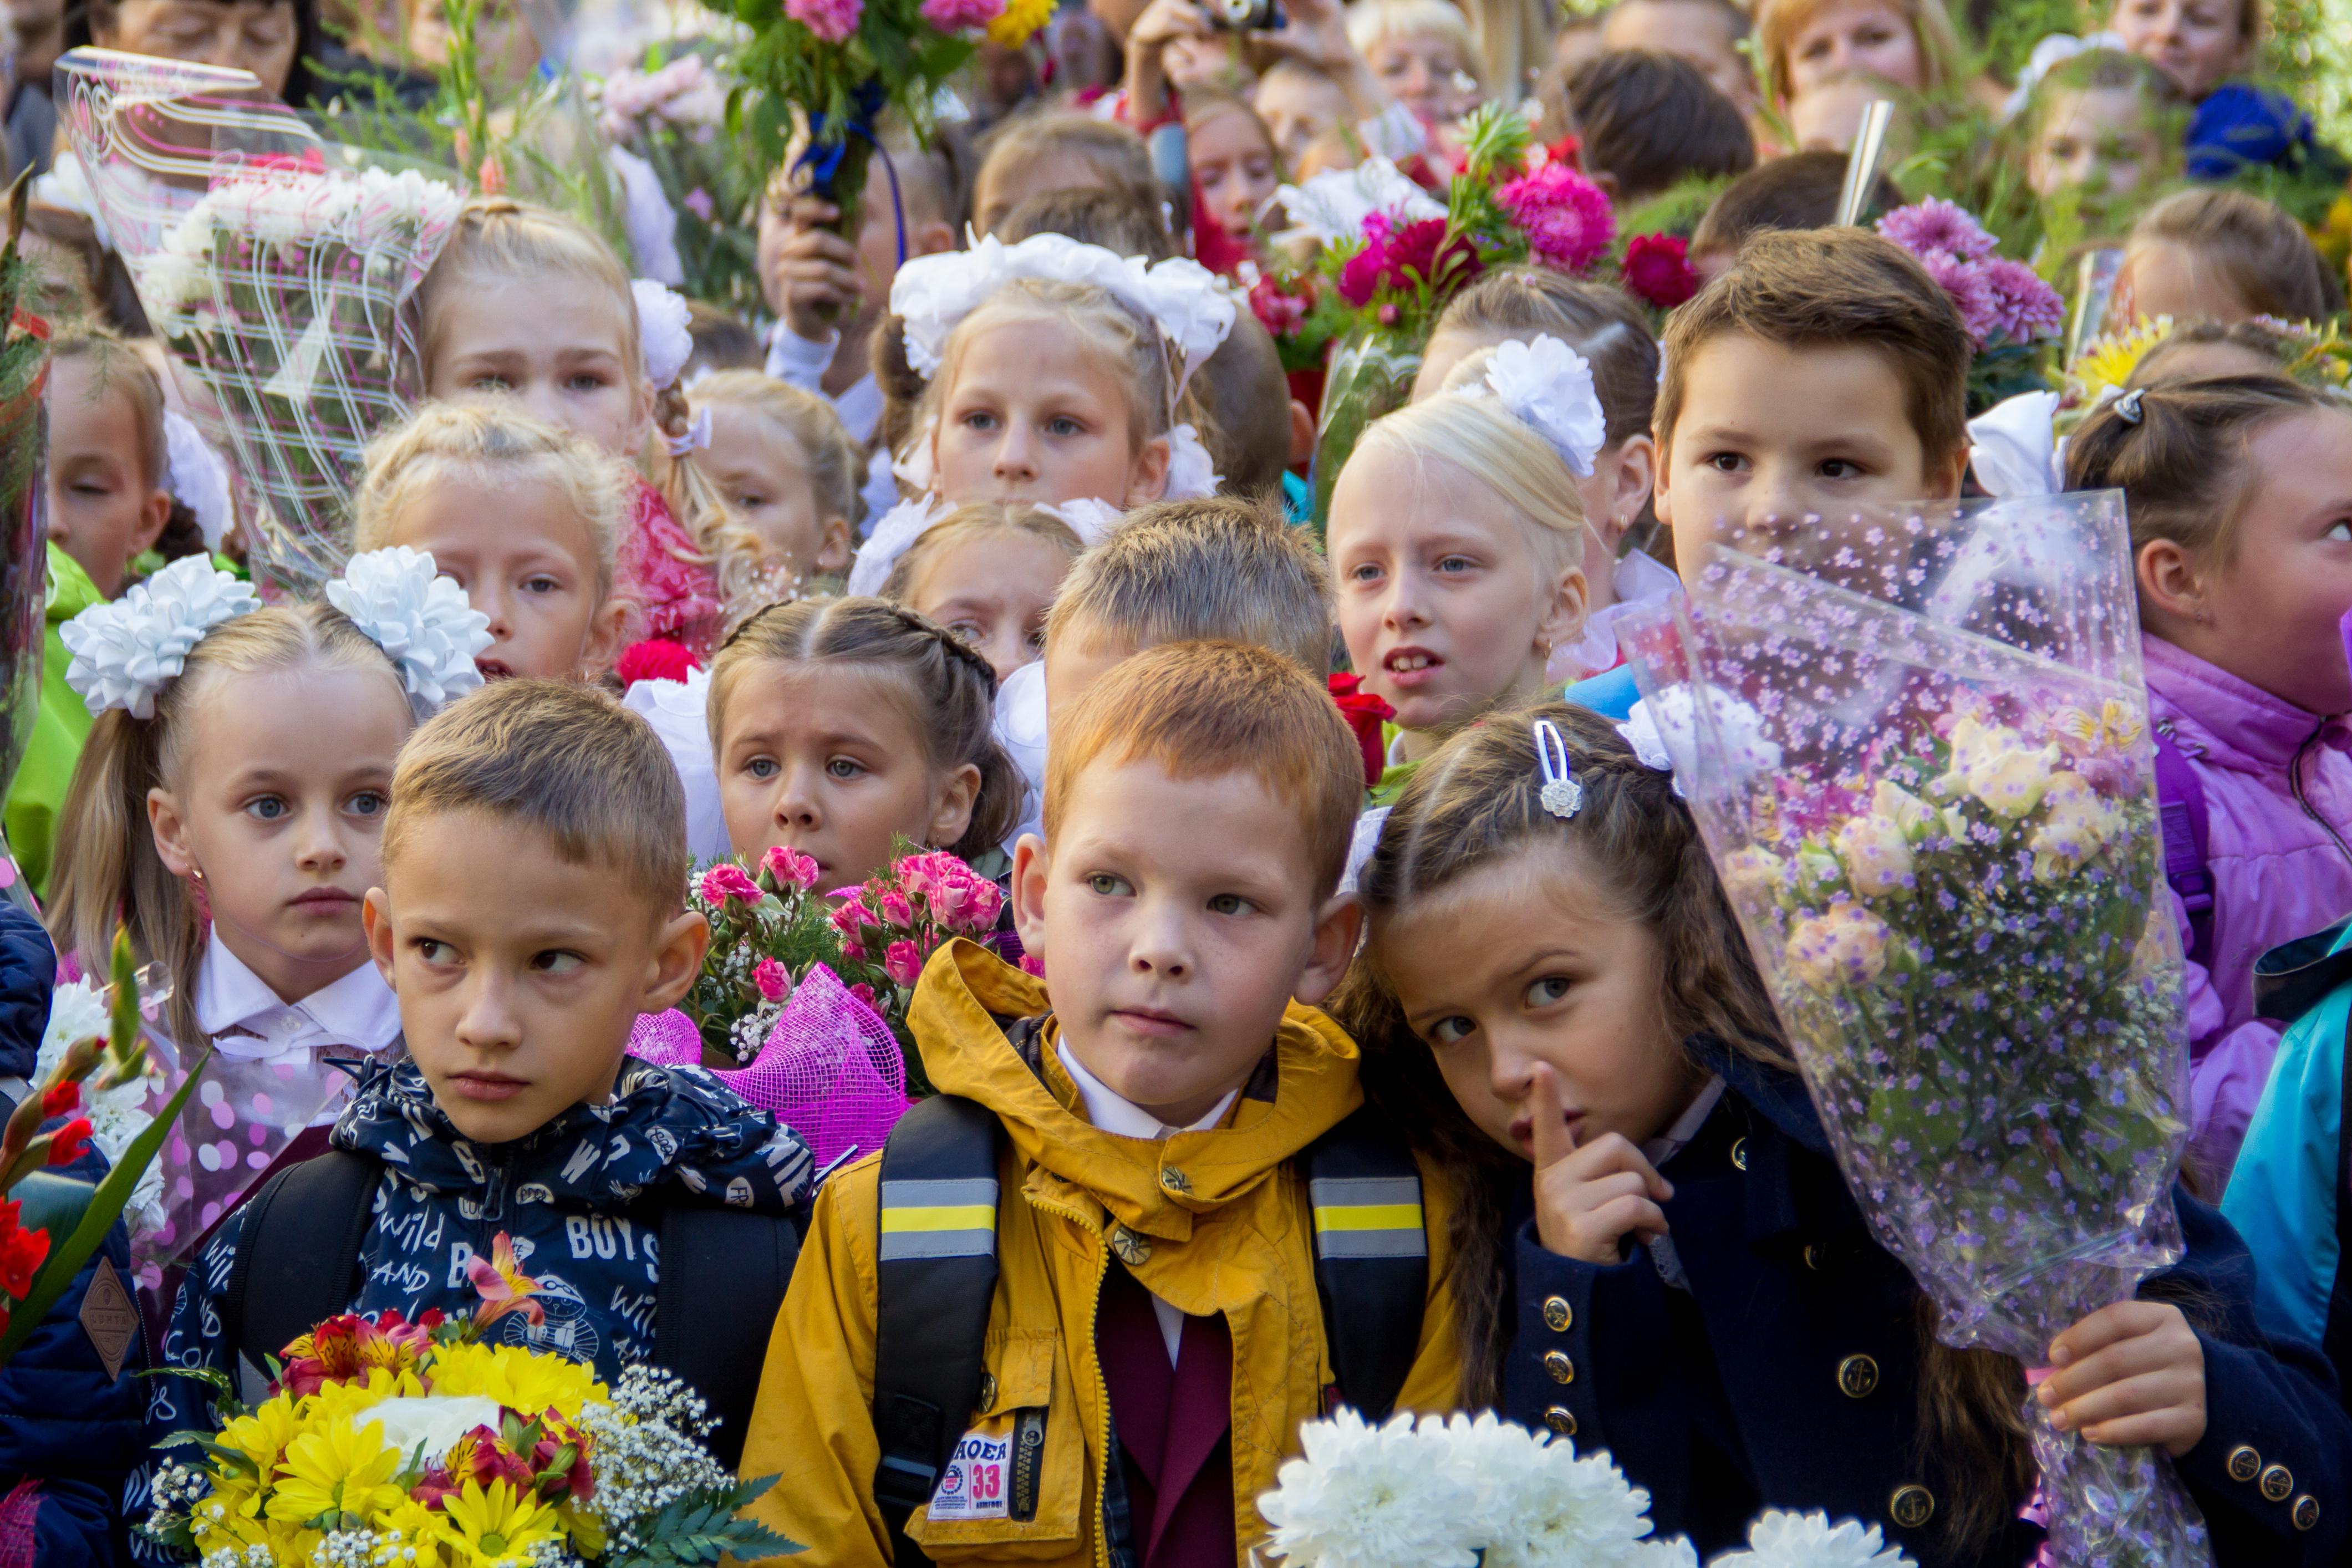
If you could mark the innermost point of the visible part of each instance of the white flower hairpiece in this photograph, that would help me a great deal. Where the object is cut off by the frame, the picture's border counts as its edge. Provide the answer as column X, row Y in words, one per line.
column 126, row 652
column 662, row 318
column 420, row 619
column 932, row 293
column 1548, row 386
column 1088, row 519
column 1192, row 472
column 1664, row 733
column 900, row 527
column 199, row 480
column 2055, row 50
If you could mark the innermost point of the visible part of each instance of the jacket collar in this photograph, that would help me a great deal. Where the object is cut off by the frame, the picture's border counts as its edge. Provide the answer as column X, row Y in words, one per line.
column 1791, row 1186
column 245, row 1017
column 2232, row 723
column 968, row 998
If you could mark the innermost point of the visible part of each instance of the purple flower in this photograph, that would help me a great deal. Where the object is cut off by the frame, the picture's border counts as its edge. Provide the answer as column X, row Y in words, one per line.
column 1566, row 215
column 698, row 201
column 1936, row 226
column 958, row 16
column 1972, row 294
column 831, row 20
column 2027, row 308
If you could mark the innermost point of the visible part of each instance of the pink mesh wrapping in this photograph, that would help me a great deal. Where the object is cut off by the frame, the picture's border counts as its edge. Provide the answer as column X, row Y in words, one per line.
column 830, row 1068
column 17, row 1512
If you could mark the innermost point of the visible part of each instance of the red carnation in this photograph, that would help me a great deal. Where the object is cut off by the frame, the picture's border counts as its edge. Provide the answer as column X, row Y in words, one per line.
column 1658, row 271
column 1365, row 713
column 68, row 1143
column 655, row 659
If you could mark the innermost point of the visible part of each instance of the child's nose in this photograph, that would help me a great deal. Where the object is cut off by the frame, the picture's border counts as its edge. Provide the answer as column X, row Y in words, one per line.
column 797, row 799
column 1017, row 453
column 488, row 1021
column 1161, row 946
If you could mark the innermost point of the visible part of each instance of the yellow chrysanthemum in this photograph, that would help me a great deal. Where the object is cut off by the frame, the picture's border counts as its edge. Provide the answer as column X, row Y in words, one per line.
column 335, row 1467
column 349, row 1398
column 2111, row 360
column 262, row 1433
column 1018, row 20
column 517, row 1379
column 496, row 1528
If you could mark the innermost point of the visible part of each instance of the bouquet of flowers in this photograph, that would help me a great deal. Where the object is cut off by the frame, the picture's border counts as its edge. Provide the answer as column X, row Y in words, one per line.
column 768, row 928
column 277, row 291
column 23, row 577
column 890, row 927
column 387, row 1441
column 2007, row 307
column 673, row 116
column 1924, row 771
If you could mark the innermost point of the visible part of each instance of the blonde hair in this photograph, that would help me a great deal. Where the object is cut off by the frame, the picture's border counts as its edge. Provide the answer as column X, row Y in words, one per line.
column 1489, row 443
column 500, row 446
column 949, row 690
column 2256, row 250
column 1779, row 22
column 976, row 521
column 1599, row 320
column 835, row 465
column 563, row 759
column 1371, row 22
column 1110, row 149
column 1221, row 568
column 106, row 867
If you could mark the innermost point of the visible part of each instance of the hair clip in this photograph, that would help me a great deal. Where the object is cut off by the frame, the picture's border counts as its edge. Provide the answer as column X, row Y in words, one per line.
column 2127, row 405
column 697, row 437
column 1562, row 794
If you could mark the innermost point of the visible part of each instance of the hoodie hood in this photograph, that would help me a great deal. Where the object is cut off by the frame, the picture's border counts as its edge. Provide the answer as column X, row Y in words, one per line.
column 969, row 1005
column 664, row 1125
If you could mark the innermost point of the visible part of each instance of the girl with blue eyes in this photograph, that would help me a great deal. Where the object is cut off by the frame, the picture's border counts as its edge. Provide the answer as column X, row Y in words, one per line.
column 837, row 725
column 228, row 810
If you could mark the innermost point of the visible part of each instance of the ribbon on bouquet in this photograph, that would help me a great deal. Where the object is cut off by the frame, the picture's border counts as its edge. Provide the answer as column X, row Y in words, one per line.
column 823, row 158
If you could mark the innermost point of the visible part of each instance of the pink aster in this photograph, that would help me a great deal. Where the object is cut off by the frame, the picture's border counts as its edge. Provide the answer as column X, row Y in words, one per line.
column 1970, row 293
column 831, row 20
column 2027, row 307
column 1936, row 225
column 959, row 15
column 1566, row 217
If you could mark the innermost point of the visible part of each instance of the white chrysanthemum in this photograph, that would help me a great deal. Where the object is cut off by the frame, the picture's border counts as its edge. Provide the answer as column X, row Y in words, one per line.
column 1373, row 1497
column 1541, row 1505
column 126, row 652
column 1334, row 206
column 420, row 619
column 662, row 318
column 1192, row 472
column 1778, row 1540
column 1548, row 386
column 78, row 1010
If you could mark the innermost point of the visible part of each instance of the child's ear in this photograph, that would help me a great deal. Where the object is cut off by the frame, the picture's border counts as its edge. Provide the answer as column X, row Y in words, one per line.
column 605, row 628
column 171, row 831
column 375, row 919
column 2169, row 583
column 934, row 236
column 678, row 951
column 1945, row 480
column 959, row 792
column 1302, row 432
column 1031, row 861
column 1636, row 474
column 1563, row 618
column 833, row 545
column 154, row 517
column 1338, row 926
column 1148, row 480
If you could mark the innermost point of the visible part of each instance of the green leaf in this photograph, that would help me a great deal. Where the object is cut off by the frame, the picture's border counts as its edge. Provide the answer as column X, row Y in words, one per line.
column 105, row 1208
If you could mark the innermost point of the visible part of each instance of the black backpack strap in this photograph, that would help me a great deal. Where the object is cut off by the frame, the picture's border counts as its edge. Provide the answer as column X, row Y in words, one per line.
column 1371, row 1257
column 723, row 1276
column 937, row 1277
column 297, row 1257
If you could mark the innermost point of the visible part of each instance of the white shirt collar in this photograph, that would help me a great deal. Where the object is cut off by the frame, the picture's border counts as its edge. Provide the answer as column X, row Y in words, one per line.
column 1662, row 1149
column 1123, row 1118
column 359, row 1011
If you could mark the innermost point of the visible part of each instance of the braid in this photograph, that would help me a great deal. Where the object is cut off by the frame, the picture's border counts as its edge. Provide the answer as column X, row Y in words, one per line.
column 957, row 650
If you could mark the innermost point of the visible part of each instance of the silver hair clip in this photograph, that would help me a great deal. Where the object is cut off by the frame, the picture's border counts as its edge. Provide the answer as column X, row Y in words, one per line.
column 1562, row 794
column 2127, row 405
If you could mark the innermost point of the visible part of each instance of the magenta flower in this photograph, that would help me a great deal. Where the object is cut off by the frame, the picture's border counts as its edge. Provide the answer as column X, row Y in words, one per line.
column 789, row 867
column 2027, row 308
column 1360, row 276
column 849, row 915
column 1032, row 964
column 897, row 911
column 774, row 981
column 903, row 963
column 1971, row 295
column 1936, row 226
column 863, row 992
column 831, row 20
column 1566, row 217
column 728, row 880
column 960, row 15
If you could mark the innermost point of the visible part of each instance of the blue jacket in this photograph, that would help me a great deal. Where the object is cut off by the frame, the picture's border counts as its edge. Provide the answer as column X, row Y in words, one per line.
column 1612, row 693
column 1787, row 1374
column 64, row 1423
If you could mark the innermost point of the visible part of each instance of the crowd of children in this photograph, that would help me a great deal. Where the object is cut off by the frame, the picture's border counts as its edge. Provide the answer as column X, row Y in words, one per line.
column 1319, row 1055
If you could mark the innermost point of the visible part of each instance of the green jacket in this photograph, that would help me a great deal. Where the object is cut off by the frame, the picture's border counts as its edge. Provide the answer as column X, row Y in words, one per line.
column 59, row 728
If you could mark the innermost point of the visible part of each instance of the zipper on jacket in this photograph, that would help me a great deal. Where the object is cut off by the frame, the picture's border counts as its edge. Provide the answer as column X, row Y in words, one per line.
column 2294, row 786
column 1094, row 1359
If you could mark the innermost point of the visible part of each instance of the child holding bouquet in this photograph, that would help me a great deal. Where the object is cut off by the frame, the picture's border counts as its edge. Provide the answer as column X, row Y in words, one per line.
column 1656, row 1253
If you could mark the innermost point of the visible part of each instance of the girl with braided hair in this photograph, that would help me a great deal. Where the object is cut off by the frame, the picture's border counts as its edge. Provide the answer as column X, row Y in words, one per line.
column 1653, row 1250
column 837, row 725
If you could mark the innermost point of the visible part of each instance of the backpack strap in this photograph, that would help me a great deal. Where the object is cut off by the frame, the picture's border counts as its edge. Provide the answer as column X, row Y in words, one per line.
column 1371, row 1257
column 297, row 1257
column 723, row 1276
column 2181, row 806
column 936, row 1281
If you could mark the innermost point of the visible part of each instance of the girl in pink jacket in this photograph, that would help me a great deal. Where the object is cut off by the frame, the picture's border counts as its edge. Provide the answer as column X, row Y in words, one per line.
column 2240, row 492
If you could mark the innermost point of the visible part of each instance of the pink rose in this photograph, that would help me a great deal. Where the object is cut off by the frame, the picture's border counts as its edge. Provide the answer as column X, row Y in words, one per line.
column 789, row 867
column 987, row 903
column 957, row 16
column 863, row 992
column 728, row 880
column 831, row 20
column 1032, row 964
column 903, row 963
column 897, row 911
column 849, row 915
column 775, row 982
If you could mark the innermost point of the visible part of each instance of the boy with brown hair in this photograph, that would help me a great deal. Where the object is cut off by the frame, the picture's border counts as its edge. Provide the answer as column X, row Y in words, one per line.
column 1125, row 1226
column 1800, row 190
column 1824, row 375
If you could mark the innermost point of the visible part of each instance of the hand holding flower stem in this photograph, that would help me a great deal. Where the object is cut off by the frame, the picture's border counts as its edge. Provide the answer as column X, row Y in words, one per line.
column 2128, row 1375
column 1589, row 1199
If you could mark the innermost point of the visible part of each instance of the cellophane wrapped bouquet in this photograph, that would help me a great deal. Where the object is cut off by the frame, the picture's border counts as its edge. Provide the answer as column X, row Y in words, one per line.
column 384, row 1441
column 1916, row 743
column 768, row 929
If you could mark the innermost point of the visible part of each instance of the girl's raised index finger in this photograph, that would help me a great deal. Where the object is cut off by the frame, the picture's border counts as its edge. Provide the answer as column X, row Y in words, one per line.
column 1553, row 1140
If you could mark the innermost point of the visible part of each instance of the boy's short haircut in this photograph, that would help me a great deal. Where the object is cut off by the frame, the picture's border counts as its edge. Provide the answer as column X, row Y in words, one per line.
column 1220, row 569
column 1249, row 397
column 1202, row 708
column 1798, row 191
column 1649, row 120
column 2260, row 253
column 1120, row 218
column 559, row 757
column 1835, row 288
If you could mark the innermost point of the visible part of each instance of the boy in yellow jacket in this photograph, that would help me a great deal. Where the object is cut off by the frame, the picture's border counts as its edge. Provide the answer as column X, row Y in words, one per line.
column 1155, row 1332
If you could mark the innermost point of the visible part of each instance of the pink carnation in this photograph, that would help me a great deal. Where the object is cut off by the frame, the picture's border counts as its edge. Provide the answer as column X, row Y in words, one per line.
column 2027, row 307
column 831, row 20
column 896, row 911
column 849, row 915
column 774, row 981
column 1566, row 217
column 728, row 880
column 903, row 963
column 959, row 15
column 1936, row 227
column 789, row 867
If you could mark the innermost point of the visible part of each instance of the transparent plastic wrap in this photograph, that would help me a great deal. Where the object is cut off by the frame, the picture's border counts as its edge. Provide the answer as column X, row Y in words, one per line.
column 273, row 267
column 1916, row 743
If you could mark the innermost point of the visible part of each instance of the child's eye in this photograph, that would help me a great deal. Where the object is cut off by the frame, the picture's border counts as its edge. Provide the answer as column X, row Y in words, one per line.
column 434, row 953
column 1547, row 991
column 1838, row 469
column 1063, row 425
column 268, row 808
column 1363, row 572
column 2340, row 532
column 1726, row 462
column 749, row 502
column 585, row 380
column 1108, row 885
column 843, row 768
column 366, row 803
column 1455, row 564
column 1452, row 1031
column 541, row 583
column 489, row 384
column 557, row 961
column 762, row 767
column 1229, row 904
column 979, row 419
column 970, row 630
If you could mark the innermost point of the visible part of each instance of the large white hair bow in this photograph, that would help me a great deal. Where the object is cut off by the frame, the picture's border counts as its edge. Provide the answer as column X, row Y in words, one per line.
column 126, row 652
column 199, row 480
column 662, row 316
column 932, row 293
column 2055, row 50
column 1549, row 387
column 421, row 620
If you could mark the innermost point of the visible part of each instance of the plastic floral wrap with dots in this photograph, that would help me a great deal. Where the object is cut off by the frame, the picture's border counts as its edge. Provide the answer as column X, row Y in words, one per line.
column 1952, row 879
column 387, row 1441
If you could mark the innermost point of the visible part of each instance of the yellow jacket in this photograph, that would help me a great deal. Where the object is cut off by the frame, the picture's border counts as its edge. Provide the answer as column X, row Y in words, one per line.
column 1238, row 1242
